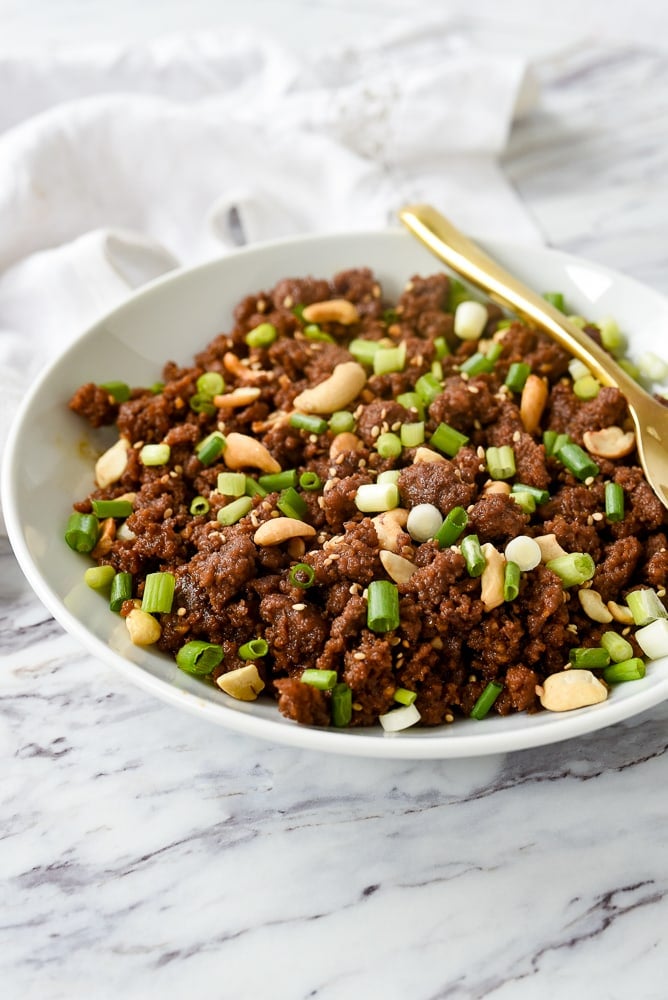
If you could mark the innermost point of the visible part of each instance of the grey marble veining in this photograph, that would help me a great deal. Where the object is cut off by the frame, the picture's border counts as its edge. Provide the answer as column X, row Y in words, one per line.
column 145, row 853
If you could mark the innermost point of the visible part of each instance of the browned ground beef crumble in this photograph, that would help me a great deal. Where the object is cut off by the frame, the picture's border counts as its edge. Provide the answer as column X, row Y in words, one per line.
column 448, row 647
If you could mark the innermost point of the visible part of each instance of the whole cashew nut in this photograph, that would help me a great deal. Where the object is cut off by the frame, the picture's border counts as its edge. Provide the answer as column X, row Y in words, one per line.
column 492, row 578
column 571, row 689
column 336, row 392
column 110, row 466
column 400, row 569
column 332, row 311
column 610, row 442
column 532, row 402
column 242, row 451
column 281, row 529
column 244, row 683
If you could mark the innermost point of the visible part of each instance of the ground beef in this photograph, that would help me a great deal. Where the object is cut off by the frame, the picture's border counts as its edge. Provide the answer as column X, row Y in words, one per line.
column 447, row 645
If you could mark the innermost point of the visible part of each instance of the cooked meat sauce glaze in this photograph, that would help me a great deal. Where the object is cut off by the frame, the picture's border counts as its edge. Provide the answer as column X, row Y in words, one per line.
column 307, row 590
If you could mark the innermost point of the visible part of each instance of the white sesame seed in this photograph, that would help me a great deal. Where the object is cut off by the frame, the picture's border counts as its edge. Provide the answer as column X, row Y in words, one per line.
column 298, row 607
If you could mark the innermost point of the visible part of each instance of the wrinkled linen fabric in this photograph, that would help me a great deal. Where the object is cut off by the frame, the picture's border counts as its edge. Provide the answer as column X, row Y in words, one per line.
column 120, row 163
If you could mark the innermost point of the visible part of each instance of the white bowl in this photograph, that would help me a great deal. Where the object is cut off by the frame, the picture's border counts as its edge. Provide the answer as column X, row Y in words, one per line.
column 49, row 457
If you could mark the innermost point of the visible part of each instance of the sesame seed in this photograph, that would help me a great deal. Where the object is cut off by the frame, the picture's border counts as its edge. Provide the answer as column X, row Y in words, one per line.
column 480, row 451
column 396, row 425
column 223, row 538
column 362, row 463
column 321, row 502
column 288, row 302
column 464, row 376
column 661, row 592
column 449, row 718
column 625, row 631
column 181, row 612
column 173, row 475
column 589, row 480
column 359, row 656
column 473, row 389
column 340, row 459
column 275, row 513
column 597, row 516
column 375, row 430
column 517, row 435
column 313, row 438
column 260, row 305
column 298, row 607
column 472, row 678
column 168, row 513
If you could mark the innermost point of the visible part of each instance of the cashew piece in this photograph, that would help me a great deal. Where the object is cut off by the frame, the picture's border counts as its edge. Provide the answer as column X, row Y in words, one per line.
column 336, row 392
column 571, row 689
column 332, row 311
column 143, row 628
column 610, row 442
column 244, row 683
column 111, row 465
column 496, row 486
column 241, row 371
column 427, row 455
column 549, row 547
column 346, row 441
column 593, row 606
column 243, row 396
column 390, row 527
column 491, row 580
column 242, row 451
column 281, row 529
column 532, row 403
column 620, row 613
column 105, row 538
column 400, row 569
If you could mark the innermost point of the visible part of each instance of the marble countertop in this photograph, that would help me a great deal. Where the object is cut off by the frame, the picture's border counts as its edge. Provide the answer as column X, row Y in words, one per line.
column 149, row 854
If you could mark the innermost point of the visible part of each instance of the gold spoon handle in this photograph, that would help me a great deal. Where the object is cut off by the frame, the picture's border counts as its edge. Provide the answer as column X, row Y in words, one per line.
column 467, row 259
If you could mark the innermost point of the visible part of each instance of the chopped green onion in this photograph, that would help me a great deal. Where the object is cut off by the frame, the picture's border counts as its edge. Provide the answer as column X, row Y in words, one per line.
column 653, row 639
column 388, row 445
column 310, row 481
column 470, row 320
column 555, row 299
column 493, row 351
column 559, row 442
column 198, row 657
column 382, row 606
column 154, row 454
column 253, row 488
column 652, row 367
column 549, row 441
column 511, row 581
column 233, row 512
column 232, row 484
column 313, row 332
column 199, row 505
column 473, row 555
column 275, row 481
column 399, row 718
column 437, row 370
column 342, row 705
column 575, row 568
column 81, row 532
column 614, row 502
column 591, row 658
column 210, row 448
column 390, row 316
column 308, row 422
column 441, row 348
column 577, row 461
column 632, row 669
column 341, row 422
column 262, row 336
column 389, row 359
column 645, row 606
column 524, row 501
column 121, row 591
column 629, row 367
column 210, row 384
column 291, row 504
column 455, row 522
column 486, row 700
column 389, row 476
column 158, row 593
column 577, row 369
column 411, row 401
column 447, row 440
column 517, row 375
column 99, row 577
column 363, row 351
column 618, row 647
column 477, row 364
column 119, row 391
column 424, row 522
column 458, row 292
column 501, row 462
column 504, row 324
column 201, row 403
column 254, row 649
column 428, row 388
column 376, row 497
column 611, row 336
column 540, row 496
column 578, row 321
column 404, row 696
column 323, row 680
column 157, row 388
column 112, row 508
column 302, row 575
column 412, row 434
column 586, row 388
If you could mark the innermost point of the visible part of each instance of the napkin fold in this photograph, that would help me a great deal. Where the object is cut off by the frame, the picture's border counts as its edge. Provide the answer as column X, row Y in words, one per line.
column 121, row 162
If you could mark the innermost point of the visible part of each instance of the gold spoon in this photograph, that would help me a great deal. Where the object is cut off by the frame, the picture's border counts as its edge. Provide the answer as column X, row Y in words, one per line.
column 466, row 259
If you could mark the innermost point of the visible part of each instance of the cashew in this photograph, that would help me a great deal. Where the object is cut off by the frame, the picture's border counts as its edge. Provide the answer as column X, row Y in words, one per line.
column 532, row 403
column 346, row 441
column 397, row 567
column 593, row 606
column 336, row 392
column 105, row 538
column 111, row 465
column 549, row 547
column 241, row 371
column 491, row 580
column 331, row 311
column 296, row 548
column 243, row 396
column 242, row 451
column 496, row 486
column 389, row 528
column 620, row 613
column 281, row 529
column 571, row 689
column 244, row 683
column 143, row 628
column 610, row 442
column 427, row 455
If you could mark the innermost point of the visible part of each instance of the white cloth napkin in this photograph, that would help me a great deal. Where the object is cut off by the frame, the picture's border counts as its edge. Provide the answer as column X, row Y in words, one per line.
column 119, row 163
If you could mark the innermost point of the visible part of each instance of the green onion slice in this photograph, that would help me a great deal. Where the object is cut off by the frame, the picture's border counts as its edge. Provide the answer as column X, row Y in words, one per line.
column 119, row 391
column 81, row 532
column 232, row 512
column 618, row 647
column 198, row 657
column 452, row 527
column 210, row 448
column 575, row 568
column 428, row 388
column 447, row 440
column 262, row 336
column 310, row 481
column 404, row 696
column 632, row 669
column 511, row 581
column 302, row 575
column 388, row 445
column 501, row 462
column 540, row 496
column 112, row 508
column 273, row 482
column 486, row 700
column 324, row 680
column 231, row 484
column 254, row 649
column 589, row 658
column 121, row 591
column 614, row 502
column 99, row 577
column 342, row 705
column 473, row 555
column 646, row 606
column 341, row 422
column 200, row 402
column 577, row 460
column 308, row 422
column 210, row 384
column 199, row 505
column 517, row 375
column 158, row 593
column 382, row 606
column 291, row 504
